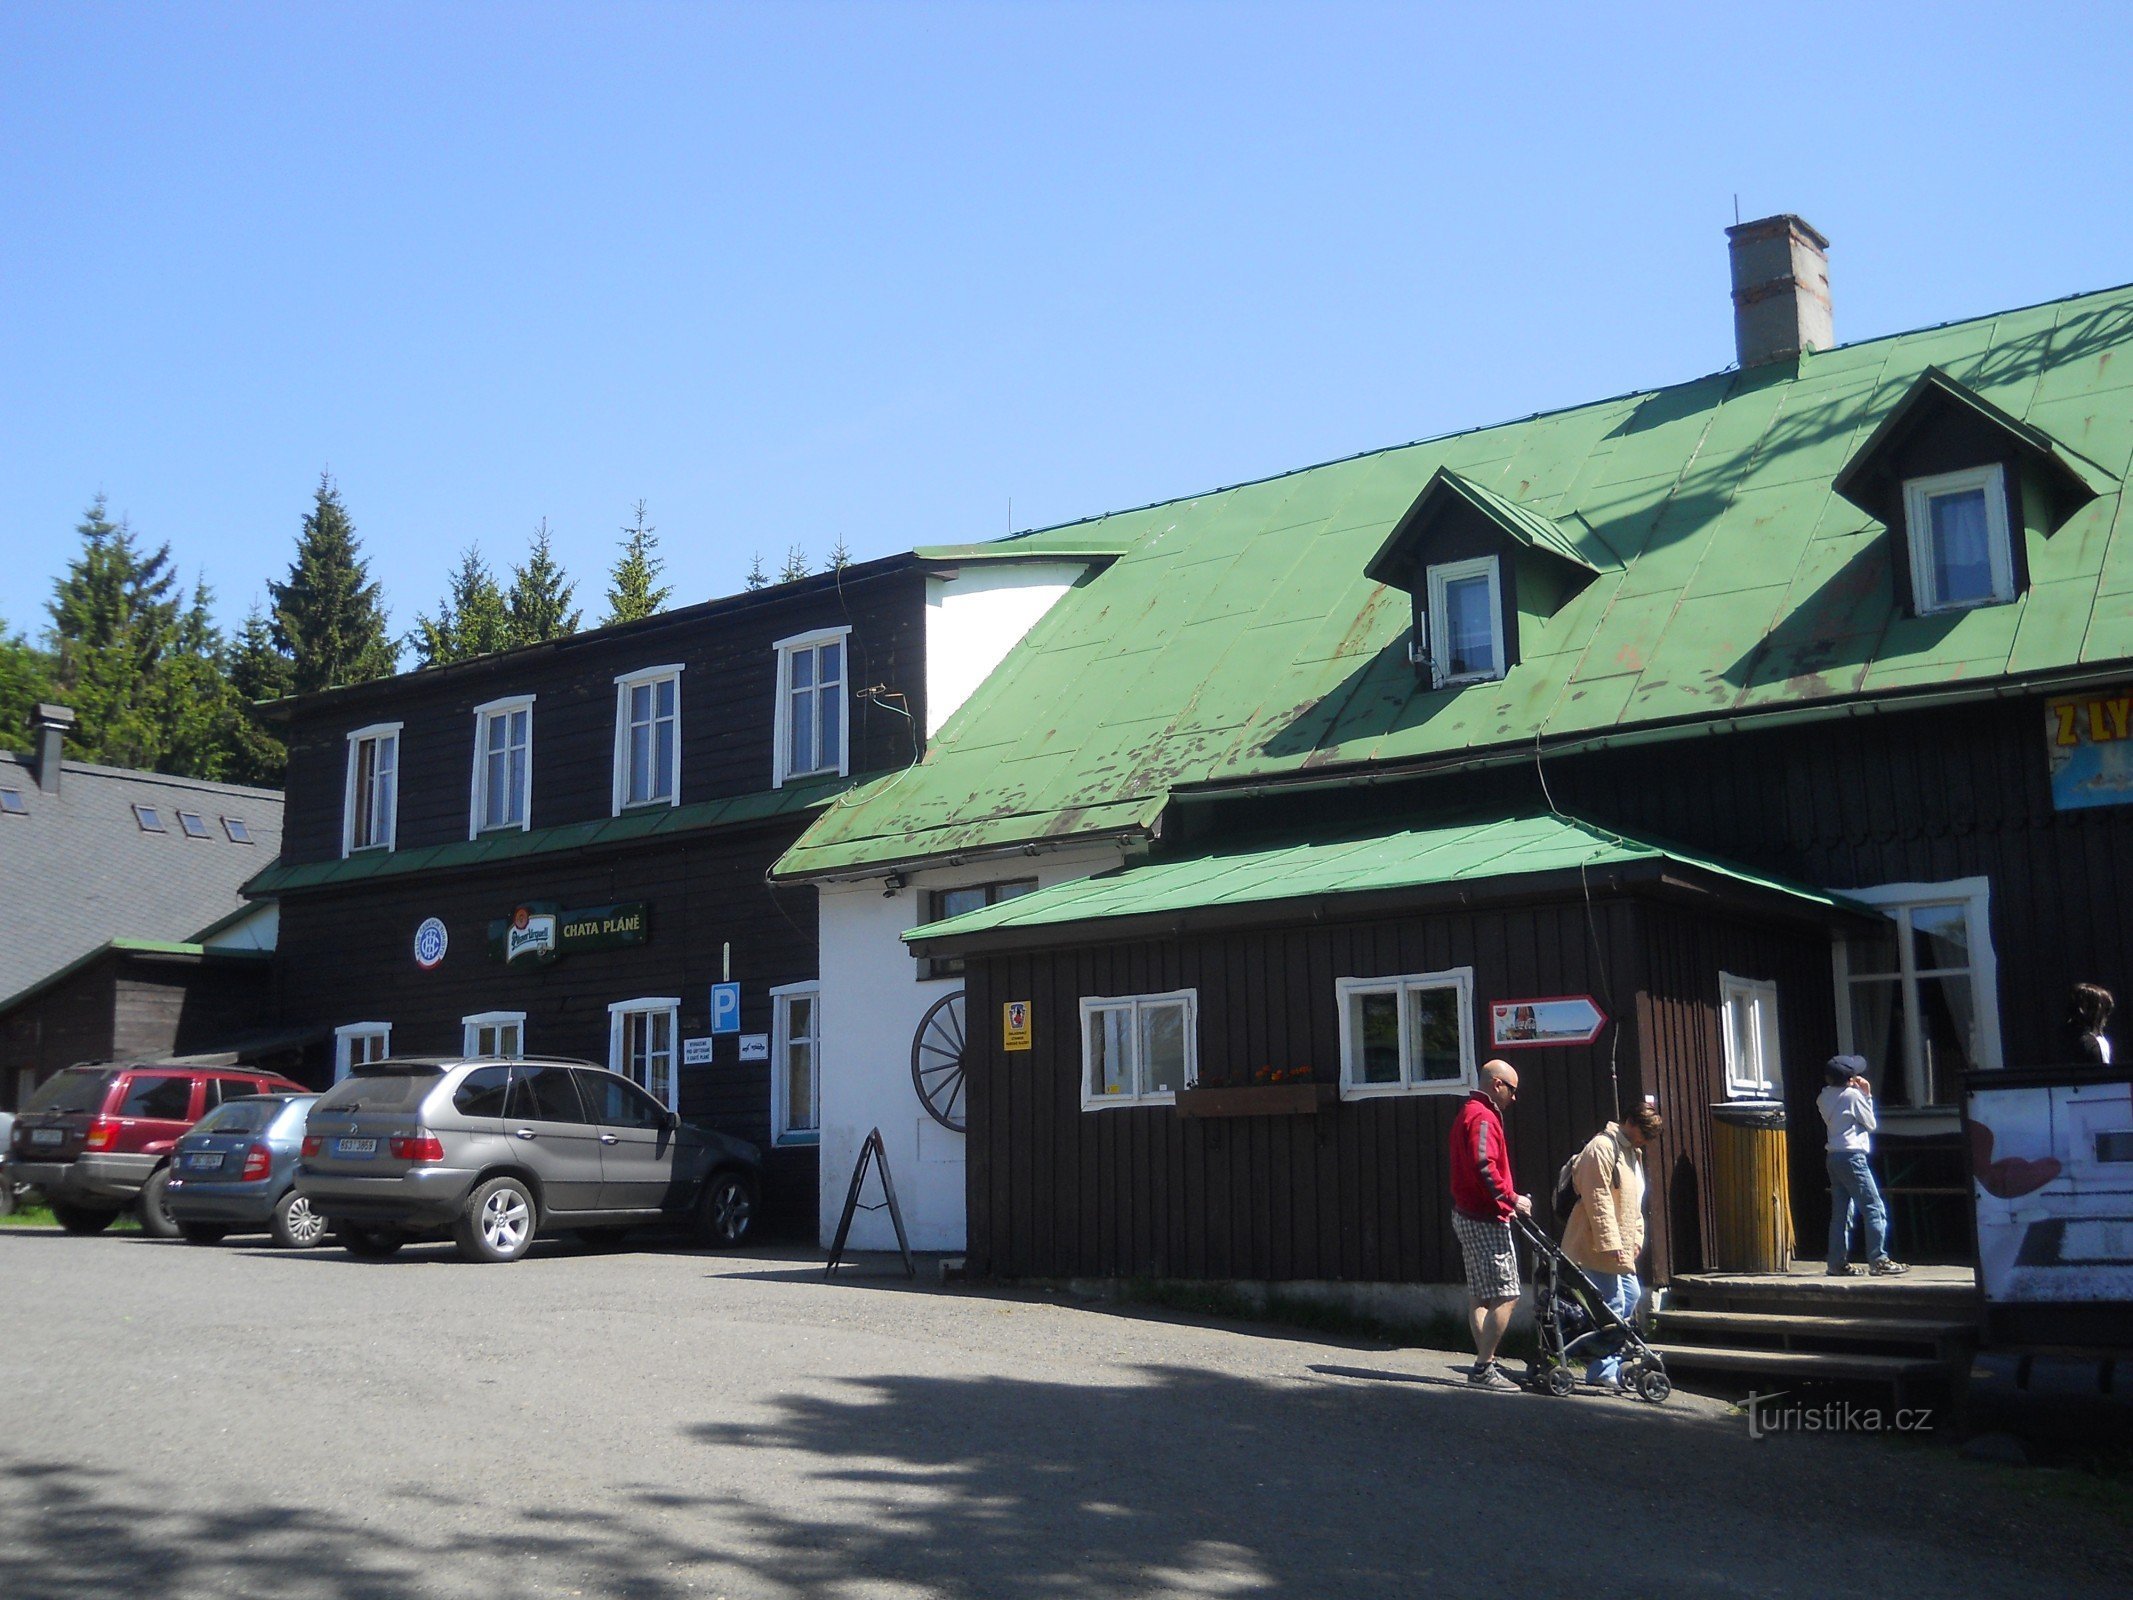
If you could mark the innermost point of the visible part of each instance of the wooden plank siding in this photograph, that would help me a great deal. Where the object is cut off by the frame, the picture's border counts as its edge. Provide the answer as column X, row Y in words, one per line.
column 728, row 698
column 1358, row 1191
column 346, row 955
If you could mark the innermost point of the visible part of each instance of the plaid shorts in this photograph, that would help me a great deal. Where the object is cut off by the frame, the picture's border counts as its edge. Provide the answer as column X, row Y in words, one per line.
column 1491, row 1258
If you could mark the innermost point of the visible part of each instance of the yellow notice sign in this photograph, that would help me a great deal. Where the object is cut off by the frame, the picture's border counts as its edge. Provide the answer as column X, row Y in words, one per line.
column 1014, row 1025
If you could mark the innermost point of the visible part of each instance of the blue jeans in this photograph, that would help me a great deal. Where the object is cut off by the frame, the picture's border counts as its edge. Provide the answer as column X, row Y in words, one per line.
column 1851, row 1183
column 1621, row 1291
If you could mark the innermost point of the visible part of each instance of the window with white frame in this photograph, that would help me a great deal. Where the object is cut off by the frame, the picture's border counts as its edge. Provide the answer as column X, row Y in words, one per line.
column 493, row 1033
column 1138, row 1049
column 648, row 738
column 358, row 1042
column 796, row 1064
column 811, row 724
column 641, row 1045
column 1748, row 1025
column 1411, row 1034
column 1961, row 551
column 1466, row 621
column 1918, row 996
column 503, row 765
column 372, row 798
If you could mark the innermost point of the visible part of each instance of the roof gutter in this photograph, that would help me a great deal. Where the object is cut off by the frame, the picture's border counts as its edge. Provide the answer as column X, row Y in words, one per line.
column 1365, row 774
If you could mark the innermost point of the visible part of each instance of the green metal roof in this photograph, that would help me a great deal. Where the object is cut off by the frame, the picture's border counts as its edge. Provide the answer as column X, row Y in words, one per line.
column 1080, row 540
column 1237, row 637
column 733, row 811
column 1462, row 852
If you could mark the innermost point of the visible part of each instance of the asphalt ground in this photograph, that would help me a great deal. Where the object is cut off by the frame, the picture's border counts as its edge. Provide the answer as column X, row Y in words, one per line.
column 237, row 1421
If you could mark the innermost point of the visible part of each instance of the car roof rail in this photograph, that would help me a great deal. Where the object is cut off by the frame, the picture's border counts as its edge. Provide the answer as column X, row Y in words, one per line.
column 555, row 1061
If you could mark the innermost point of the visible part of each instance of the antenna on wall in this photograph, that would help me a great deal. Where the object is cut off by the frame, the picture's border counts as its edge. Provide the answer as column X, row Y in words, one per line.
column 1736, row 211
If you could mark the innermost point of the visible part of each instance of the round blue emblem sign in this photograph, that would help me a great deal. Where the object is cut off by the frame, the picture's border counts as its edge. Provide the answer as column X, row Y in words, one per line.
column 430, row 943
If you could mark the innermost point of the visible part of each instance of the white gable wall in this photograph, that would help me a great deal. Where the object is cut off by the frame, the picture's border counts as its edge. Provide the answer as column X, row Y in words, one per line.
column 974, row 618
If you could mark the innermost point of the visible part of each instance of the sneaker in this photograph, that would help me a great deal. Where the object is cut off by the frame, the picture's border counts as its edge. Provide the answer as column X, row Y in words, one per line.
column 1845, row 1271
column 1885, row 1268
column 1491, row 1377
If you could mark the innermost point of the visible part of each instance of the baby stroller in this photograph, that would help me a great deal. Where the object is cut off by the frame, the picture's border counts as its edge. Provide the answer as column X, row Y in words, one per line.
column 1574, row 1324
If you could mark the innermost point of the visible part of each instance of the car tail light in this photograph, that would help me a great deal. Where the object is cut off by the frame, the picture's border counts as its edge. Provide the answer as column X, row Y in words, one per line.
column 313, row 1144
column 101, row 1132
column 417, row 1146
column 258, row 1161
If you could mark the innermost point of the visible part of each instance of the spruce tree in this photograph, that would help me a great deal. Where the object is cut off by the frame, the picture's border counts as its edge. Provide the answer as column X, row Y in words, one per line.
column 114, row 619
column 538, row 607
column 839, row 558
column 795, row 564
column 257, row 673
column 195, row 707
column 757, row 578
column 327, row 617
column 470, row 619
column 25, row 679
column 633, row 588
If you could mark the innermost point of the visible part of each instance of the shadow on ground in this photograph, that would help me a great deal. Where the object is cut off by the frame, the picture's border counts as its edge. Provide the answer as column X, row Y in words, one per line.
column 1157, row 1480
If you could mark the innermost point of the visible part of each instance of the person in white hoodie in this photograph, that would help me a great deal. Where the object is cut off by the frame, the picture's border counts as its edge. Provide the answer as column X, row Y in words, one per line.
column 1847, row 1107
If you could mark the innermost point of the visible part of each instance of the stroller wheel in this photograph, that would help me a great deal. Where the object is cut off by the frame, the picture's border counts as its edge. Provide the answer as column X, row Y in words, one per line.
column 1654, row 1385
column 1560, row 1381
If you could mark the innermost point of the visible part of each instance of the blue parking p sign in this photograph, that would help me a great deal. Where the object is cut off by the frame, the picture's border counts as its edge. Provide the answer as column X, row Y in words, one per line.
column 725, row 1008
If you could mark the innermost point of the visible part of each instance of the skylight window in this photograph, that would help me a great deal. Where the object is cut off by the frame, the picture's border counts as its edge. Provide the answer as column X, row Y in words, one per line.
column 150, row 819
column 238, row 832
column 11, row 803
column 193, row 823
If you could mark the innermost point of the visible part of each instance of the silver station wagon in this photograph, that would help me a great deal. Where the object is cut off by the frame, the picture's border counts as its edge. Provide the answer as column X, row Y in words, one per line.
column 493, row 1152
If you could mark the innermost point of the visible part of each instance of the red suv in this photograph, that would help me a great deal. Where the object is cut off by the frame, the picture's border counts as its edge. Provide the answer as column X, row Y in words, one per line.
column 97, row 1138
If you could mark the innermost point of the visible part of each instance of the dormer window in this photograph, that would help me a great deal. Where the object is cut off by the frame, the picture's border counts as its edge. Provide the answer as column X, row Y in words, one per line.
column 1961, row 554
column 1466, row 621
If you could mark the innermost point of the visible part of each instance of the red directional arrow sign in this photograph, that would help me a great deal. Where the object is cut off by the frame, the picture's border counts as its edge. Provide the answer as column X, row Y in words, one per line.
column 1554, row 1019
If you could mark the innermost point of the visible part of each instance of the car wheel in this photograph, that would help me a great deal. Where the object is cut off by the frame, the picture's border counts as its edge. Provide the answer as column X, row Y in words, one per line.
column 370, row 1244
column 82, row 1219
column 296, row 1225
column 153, row 1203
column 727, row 1210
column 202, row 1232
column 498, row 1222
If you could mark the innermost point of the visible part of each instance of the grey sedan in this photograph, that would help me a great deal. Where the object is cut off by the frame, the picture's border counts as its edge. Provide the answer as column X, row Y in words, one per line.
column 236, row 1173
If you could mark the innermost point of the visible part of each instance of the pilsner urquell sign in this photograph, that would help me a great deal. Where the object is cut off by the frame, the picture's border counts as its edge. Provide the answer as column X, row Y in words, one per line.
column 541, row 930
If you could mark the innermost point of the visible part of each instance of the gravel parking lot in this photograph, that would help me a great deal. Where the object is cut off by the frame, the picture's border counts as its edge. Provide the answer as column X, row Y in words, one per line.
column 239, row 1421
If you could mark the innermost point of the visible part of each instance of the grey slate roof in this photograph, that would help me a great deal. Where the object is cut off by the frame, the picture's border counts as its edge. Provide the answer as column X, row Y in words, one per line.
column 76, row 869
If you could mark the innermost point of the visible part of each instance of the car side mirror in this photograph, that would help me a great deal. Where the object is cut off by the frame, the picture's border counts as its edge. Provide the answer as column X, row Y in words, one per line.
column 670, row 1120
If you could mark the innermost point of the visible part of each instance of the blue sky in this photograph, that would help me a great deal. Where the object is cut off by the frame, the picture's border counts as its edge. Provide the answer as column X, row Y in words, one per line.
column 795, row 273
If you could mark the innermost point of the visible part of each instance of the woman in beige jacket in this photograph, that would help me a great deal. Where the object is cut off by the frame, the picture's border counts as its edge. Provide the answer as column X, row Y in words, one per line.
column 1605, row 1233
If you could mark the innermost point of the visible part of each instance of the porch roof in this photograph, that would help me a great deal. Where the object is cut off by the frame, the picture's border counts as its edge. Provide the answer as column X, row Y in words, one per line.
column 1473, row 857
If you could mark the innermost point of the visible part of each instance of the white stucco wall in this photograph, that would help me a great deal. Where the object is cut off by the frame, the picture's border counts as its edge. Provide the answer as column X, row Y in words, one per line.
column 974, row 618
column 872, row 1001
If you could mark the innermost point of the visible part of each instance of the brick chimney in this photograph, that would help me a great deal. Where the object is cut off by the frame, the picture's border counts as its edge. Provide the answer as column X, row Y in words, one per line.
column 1780, row 289
column 48, row 726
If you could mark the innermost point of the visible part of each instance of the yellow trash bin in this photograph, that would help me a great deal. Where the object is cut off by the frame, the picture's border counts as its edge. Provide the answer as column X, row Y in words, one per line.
column 1750, row 1184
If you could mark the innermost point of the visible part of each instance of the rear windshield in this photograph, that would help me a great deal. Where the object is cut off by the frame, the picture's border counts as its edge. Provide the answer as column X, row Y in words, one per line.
column 239, row 1116
column 382, row 1086
column 71, row 1091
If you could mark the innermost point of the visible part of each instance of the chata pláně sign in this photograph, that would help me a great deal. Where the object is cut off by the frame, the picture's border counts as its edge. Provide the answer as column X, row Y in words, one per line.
column 543, row 931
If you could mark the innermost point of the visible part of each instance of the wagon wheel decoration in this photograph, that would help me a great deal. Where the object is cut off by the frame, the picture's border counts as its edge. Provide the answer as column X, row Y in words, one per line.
column 937, row 1061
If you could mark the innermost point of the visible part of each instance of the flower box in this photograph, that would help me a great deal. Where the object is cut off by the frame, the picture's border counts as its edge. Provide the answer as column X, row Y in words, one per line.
column 1256, row 1100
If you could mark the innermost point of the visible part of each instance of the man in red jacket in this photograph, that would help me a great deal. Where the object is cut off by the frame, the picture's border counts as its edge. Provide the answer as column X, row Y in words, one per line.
column 1484, row 1199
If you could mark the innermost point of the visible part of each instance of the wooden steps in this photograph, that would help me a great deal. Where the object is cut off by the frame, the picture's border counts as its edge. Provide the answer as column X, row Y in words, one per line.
column 1899, row 1371
column 1799, row 1327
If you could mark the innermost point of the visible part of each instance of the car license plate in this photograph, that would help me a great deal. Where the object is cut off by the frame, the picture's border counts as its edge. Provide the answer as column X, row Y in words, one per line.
column 355, row 1147
column 46, row 1135
column 202, row 1161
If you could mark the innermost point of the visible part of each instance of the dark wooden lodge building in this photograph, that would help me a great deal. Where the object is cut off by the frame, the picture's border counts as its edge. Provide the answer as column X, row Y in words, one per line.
column 1664, row 746
column 562, row 849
